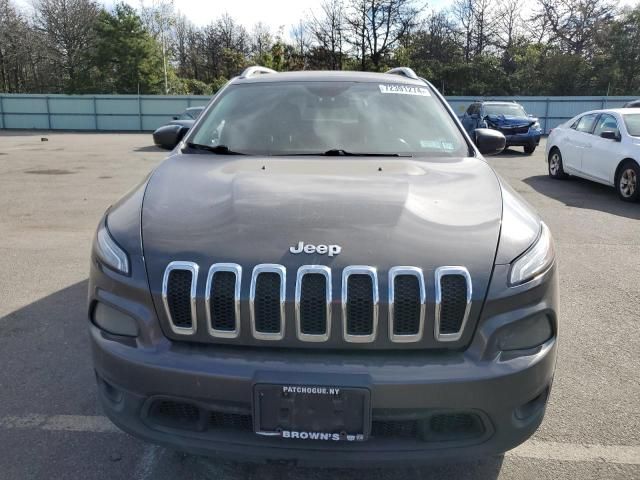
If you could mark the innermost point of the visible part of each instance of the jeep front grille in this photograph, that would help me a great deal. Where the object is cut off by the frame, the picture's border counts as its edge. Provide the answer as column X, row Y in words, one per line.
column 222, row 297
column 360, row 304
column 314, row 284
column 407, row 299
column 267, row 297
column 453, row 302
column 313, row 303
column 179, row 296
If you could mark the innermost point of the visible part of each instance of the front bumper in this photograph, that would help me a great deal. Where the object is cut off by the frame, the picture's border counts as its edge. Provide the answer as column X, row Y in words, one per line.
column 524, row 139
column 508, row 395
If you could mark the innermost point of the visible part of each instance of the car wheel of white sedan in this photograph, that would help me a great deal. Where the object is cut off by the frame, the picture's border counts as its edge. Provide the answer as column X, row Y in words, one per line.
column 628, row 182
column 555, row 164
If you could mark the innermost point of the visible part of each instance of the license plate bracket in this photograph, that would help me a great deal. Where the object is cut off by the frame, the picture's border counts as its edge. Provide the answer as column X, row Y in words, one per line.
column 312, row 412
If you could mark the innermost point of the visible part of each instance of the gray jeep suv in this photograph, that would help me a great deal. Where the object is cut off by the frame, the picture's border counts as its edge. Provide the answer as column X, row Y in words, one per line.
column 325, row 270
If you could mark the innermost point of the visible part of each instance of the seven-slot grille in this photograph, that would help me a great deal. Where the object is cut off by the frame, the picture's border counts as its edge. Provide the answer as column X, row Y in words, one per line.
column 313, row 301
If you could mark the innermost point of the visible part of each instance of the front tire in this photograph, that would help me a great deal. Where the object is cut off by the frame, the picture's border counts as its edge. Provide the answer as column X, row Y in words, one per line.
column 555, row 165
column 529, row 149
column 628, row 182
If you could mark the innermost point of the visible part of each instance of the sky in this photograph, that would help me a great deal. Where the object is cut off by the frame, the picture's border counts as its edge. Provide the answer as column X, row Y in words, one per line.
column 274, row 13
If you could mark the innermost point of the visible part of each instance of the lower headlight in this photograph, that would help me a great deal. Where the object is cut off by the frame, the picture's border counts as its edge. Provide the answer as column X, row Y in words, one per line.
column 109, row 252
column 114, row 321
column 535, row 126
column 535, row 260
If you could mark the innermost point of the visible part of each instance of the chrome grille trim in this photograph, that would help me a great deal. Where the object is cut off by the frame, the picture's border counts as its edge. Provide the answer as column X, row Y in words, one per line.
column 393, row 273
column 346, row 273
column 237, row 271
column 326, row 272
column 193, row 269
column 282, row 272
column 441, row 272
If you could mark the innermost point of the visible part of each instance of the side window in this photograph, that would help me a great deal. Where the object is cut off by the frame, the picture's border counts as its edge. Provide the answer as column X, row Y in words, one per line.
column 470, row 109
column 473, row 109
column 606, row 123
column 585, row 124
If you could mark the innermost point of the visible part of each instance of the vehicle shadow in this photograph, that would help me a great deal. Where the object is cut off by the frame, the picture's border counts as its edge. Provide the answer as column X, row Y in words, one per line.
column 485, row 469
column 511, row 152
column 580, row 193
column 150, row 148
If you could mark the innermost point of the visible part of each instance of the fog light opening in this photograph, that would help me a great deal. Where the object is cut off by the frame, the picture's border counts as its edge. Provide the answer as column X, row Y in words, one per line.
column 532, row 407
column 111, row 393
column 114, row 321
column 525, row 334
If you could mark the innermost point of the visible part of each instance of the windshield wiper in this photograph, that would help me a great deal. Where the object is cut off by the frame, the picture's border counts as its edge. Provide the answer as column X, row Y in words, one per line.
column 218, row 149
column 339, row 152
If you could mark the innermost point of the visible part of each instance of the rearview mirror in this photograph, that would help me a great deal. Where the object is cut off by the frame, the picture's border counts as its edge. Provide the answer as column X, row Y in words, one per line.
column 489, row 142
column 610, row 135
column 169, row 136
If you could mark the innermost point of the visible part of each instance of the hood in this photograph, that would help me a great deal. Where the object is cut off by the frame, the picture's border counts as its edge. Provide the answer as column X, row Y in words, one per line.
column 381, row 212
column 182, row 123
column 508, row 121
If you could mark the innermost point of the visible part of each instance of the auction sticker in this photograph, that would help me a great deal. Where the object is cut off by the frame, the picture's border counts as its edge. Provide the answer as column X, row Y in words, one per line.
column 401, row 89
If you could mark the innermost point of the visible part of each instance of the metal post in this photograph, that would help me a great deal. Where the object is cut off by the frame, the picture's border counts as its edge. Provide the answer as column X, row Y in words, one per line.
column 546, row 115
column 95, row 114
column 603, row 103
column 48, row 114
column 139, row 112
column 188, row 101
column 2, row 111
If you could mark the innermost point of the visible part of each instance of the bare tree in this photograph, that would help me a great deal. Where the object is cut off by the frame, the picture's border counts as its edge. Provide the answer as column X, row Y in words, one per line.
column 377, row 26
column 477, row 24
column 328, row 31
column 575, row 24
column 301, row 35
column 261, row 40
column 68, row 26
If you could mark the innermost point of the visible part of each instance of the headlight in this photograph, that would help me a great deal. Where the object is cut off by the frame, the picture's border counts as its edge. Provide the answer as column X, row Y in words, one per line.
column 109, row 252
column 536, row 126
column 535, row 260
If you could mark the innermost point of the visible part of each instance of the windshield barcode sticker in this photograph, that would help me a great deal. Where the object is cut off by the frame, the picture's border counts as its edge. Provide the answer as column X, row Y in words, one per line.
column 405, row 90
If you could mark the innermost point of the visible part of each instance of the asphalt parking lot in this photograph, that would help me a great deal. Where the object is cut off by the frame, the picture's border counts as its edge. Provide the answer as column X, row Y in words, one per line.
column 52, row 194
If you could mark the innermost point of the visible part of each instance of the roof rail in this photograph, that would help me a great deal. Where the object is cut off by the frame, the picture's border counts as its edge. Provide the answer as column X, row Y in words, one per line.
column 255, row 70
column 405, row 72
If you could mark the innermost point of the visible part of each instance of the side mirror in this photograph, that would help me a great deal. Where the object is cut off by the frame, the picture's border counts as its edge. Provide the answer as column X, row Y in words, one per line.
column 610, row 135
column 175, row 117
column 489, row 142
column 475, row 116
column 169, row 136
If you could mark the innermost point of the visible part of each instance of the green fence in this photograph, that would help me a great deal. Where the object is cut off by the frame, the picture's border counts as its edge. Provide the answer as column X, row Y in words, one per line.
column 148, row 112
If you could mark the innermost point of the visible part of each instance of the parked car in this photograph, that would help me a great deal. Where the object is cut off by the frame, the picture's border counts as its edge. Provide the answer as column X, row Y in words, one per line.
column 601, row 145
column 632, row 104
column 326, row 270
column 179, row 123
column 509, row 118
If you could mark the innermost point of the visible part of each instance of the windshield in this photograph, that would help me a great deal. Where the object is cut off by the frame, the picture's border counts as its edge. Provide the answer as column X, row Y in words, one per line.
column 190, row 114
column 508, row 110
column 298, row 118
column 632, row 121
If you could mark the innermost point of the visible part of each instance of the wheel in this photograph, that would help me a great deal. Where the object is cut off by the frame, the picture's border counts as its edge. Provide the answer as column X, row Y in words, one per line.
column 529, row 149
column 555, row 164
column 627, row 182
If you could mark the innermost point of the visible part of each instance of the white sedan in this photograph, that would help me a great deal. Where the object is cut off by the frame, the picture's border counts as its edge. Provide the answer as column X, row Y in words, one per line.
column 601, row 145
